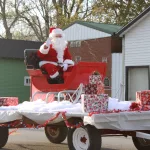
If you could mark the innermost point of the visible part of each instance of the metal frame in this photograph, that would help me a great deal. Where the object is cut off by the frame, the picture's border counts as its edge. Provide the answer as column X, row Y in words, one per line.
column 77, row 93
column 71, row 93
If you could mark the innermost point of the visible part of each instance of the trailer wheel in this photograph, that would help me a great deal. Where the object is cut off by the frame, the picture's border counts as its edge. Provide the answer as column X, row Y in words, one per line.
column 56, row 134
column 141, row 144
column 84, row 138
column 3, row 136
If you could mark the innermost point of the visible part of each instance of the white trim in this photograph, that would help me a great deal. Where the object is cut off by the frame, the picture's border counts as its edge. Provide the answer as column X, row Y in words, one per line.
column 68, row 61
column 42, row 50
column 143, row 135
column 41, row 63
column 27, row 80
column 132, row 25
column 54, row 75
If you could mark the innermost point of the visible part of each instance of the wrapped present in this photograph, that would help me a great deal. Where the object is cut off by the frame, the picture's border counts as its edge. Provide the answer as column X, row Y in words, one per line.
column 90, row 89
column 8, row 101
column 100, row 88
column 95, row 79
column 143, row 97
column 146, row 107
column 94, row 103
column 94, row 89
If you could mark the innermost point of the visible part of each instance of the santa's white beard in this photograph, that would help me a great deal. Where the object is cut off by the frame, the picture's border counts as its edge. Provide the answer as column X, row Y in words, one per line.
column 59, row 44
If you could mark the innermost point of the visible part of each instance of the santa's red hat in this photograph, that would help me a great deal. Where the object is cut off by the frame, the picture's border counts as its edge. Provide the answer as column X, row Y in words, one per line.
column 53, row 31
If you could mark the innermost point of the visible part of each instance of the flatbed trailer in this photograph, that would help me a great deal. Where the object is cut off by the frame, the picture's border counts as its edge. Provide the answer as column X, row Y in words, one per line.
column 83, row 132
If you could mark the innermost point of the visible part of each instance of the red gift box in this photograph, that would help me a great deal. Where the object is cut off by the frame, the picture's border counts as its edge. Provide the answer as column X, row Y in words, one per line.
column 143, row 97
column 94, row 103
column 90, row 89
column 100, row 88
column 94, row 89
column 146, row 107
column 97, row 79
column 8, row 101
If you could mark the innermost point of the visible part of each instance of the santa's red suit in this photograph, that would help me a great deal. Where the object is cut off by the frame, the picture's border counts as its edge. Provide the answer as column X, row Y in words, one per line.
column 54, row 54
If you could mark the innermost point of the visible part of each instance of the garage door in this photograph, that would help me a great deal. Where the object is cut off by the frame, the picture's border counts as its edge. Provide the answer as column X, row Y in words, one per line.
column 137, row 80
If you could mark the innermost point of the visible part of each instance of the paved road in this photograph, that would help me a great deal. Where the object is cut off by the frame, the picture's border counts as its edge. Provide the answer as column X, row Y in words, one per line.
column 33, row 139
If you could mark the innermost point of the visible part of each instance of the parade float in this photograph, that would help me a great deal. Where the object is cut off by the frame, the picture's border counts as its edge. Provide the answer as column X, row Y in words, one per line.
column 78, row 109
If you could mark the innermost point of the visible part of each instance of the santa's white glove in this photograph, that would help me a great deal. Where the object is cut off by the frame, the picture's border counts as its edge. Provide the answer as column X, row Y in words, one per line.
column 48, row 42
column 65, row 67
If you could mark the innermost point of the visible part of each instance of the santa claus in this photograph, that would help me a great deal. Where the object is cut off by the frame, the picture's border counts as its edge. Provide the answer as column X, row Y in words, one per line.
column 55, row 56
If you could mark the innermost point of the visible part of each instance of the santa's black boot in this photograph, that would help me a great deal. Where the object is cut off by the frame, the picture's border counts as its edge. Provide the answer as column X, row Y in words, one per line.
column 59, row 79
column 52, row 81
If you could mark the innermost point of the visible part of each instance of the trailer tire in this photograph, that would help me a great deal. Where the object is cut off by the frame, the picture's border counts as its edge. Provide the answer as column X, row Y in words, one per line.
column 87, row 137
column 56, row 134
column 141, row 144
column 3, row 136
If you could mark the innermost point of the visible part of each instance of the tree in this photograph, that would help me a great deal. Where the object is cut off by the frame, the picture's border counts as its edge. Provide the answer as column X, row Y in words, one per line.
column 68, row 11
column 34, row 14
column 118, row 11
column 8, row 15
column 39, row 15
column 31, row 19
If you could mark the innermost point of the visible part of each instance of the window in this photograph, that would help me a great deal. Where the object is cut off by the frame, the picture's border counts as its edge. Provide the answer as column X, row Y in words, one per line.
column 78, row 43
column 77, row 59
column 26, row 81
column 104, row 59
column 106, row 82
column 75, row 44
column 71, row 44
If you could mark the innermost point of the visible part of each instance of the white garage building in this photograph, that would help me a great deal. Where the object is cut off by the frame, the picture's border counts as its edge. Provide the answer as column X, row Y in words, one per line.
column 136, row 55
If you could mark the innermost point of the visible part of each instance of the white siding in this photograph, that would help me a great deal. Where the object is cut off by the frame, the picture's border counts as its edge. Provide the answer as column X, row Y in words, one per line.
column 116, row 75
column 80, row 32
column 123, row 70
column 137, row 44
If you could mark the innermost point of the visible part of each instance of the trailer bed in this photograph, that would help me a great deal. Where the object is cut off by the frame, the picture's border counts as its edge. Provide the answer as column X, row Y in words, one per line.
column 82, row 129
column 122, row 121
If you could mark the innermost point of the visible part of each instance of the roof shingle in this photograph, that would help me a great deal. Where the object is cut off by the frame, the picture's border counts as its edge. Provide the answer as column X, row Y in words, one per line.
column 15, row 48
column 107, row 28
